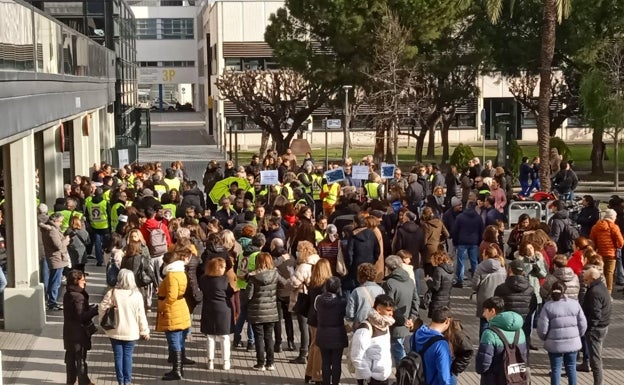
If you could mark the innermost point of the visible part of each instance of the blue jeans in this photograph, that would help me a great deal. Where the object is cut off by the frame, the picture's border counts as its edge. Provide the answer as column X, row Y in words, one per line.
column 397, row 349
column 473, row 255
column 240, row 322
column 44, row 275
column 535, row 184
column 176, row 338
column 559, row 359
column 524, row 188
column 453, row 379
column 122, row 351
column 100, row 238
column 54, row 284
column 619, row 268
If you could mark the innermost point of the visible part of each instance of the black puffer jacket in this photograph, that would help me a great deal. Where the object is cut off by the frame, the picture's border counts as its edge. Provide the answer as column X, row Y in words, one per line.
column 440, row 284
column 362, row 247
column 192, row 198
column 331, row 333
column 401, row 288
column 587, row 218
column 517, row 294
column 411, row 237
column 262, row 294
column 76, row 314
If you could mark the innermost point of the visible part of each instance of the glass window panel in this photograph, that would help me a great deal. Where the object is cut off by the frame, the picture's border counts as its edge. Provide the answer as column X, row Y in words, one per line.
column 233, row 64
column 146, row 29
column 177, row 29
column 17, row 50
column 48, row 45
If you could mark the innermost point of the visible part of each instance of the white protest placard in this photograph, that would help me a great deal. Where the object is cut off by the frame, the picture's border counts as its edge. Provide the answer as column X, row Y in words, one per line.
column 123, row 156
column 335, row 175
column 387, row 170
column 359, row 172
column 269, row 177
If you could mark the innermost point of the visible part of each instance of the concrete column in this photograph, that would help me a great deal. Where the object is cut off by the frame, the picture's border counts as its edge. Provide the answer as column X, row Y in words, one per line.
column 80, row 150
column 53, row 166
column 24, row 298
column 94, row 138
column 107, row 134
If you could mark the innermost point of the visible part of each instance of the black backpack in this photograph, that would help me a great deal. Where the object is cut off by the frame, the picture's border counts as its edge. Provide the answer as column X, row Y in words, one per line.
column 411, row 369
column 569, row 234
column 515, row 367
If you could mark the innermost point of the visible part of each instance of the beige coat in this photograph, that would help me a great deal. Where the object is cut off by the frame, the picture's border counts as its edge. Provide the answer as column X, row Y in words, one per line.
column 131, row 319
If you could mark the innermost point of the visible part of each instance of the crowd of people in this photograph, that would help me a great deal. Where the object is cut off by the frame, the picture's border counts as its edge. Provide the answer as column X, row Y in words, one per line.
column 346, row 265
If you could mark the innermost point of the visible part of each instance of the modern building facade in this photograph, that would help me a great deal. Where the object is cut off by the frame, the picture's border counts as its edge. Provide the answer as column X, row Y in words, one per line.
column 57, row 101
column 167, row 50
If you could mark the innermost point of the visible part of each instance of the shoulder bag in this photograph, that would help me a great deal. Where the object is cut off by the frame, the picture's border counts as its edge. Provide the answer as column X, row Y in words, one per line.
column 109, row 319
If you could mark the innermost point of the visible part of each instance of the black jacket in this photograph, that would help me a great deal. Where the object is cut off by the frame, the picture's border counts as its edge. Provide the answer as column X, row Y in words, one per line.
column 597, row 305
column 313, row 292
column 76, row 314
column 440, row 284
column 557, row 224
column 587, row 218
column 216, row 315
column 262, row 295
column 517, row 294
column 411, row 237
column 331, row 332
column 362, row 247
column 191, row 198
column 462, row 352
column 401, row 288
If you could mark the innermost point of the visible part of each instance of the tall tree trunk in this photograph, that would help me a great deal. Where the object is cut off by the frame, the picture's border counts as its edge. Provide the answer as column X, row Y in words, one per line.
column 346, row 140
column 444, row 136
column 549, row 23
column 420, row 140
column 389, row 156
column 264, row 143
column 281, row 143
column 379, row 143
column 597, row 154
column 431, row 146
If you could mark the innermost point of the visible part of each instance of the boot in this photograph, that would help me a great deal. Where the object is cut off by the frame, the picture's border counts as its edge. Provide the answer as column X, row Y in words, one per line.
column 170, row 358
column 176, row 372
column 301, row 359
column 291, row 346
column 185, row 360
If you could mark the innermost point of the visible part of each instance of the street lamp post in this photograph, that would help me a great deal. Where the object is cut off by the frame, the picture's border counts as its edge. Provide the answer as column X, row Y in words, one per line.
column 325, row 128
column 230, row 126
column 347, row 141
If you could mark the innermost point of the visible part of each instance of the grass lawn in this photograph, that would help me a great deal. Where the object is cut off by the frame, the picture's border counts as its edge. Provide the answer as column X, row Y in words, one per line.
column 580, row 153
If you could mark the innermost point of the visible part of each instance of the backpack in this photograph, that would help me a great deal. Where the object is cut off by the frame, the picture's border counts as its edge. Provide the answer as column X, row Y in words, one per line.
column 112, row 271
column 569, row 234
column 158, row 241
column 411, row 369
column 515, row 367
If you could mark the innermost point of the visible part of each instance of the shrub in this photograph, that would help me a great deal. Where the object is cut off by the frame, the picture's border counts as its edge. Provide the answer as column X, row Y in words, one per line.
column 461, row 155
column 515, row 157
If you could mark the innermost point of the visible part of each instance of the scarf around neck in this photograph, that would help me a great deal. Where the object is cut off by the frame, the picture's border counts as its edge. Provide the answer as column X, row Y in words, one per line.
column 381, row 322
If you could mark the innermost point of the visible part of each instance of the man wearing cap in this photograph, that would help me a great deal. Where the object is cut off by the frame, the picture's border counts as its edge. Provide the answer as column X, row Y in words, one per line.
column 607, row 237
column 518, row 293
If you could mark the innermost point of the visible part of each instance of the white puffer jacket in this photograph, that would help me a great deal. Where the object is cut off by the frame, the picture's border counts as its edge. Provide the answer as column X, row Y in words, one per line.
column 370, row 353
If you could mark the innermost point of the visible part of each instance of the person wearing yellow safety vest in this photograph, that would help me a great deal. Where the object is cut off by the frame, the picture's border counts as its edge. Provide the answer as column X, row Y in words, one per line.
column 329, row 195
column 69, row 211
column 246, row 264
column 374, row 189
column 319, row 228
column 169, row 208
column 159, row 187
column 170, row 179
column 317, row 185
column 98, row 215
column 290, row 182
column 306, row 178
column 118, row 208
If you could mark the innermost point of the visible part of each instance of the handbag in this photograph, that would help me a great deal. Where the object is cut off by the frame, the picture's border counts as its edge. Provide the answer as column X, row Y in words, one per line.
column 90, row 328
column 425, row 301
column 341, row 268
column 302, row 306
column 109, row 319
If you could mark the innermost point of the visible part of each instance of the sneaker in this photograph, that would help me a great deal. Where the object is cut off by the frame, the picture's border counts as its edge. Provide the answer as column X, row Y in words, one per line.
column 259, row 367
column 251, row 346
column 458, row 285
column 277, row 348
column 299, row 360
column 226, row 365
column 584, row 367
column 55, row 307
column 270, row 367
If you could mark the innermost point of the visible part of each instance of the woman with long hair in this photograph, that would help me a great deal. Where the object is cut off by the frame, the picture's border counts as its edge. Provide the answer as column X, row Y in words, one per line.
column 261, row 313
column 131, row 323
column 490, row 238
column 78, row 244
column 461, row 348
column 560, row 325
column 77, row 314
column 577, row 260
column 135, row 254
column 216, row 317
column 321, row 272
column 489, row 274
column 299, row 282
column 435, row 233
column 440, row 282
column 515, row 237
